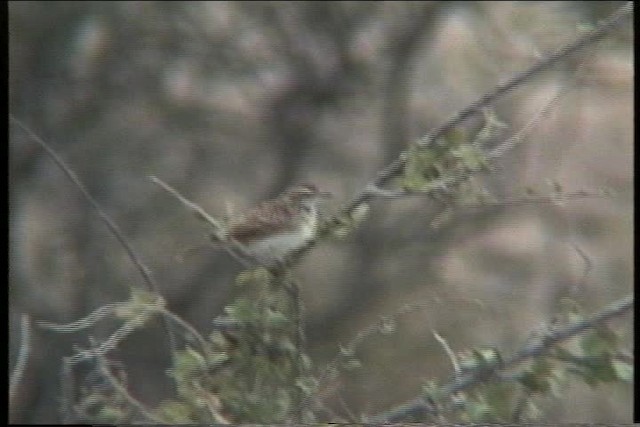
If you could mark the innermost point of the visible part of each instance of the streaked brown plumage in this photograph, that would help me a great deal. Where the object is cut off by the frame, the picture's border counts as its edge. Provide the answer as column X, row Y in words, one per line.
column 276, row 227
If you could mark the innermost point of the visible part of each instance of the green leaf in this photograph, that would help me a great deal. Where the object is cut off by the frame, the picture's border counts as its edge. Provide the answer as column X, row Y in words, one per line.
column 422, row 168
column 258, row 275
column 217, row 358
column 351, row 364
column 276, row 319
column 174, row 412
column 468, row 360
column 531, row 411
column 565, row 355
column 360, row 213
column 535, row 383
column 187, row 363
column 488, row 356
column 540, row 377
column 347, row 351
column 499, row 398
column 308, row 385
column 472, row 157
column 111, row 415
column 431, row 390
column 478, row 412
column 479, row 358
column 623, row 370
column 387, row 325
column 595, row 369
column 456, row 137
column 599, row 341
column 570, row 309
column 243, row 310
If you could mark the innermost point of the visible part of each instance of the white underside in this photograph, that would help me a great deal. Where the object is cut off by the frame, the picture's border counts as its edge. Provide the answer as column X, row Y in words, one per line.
column 277, row 247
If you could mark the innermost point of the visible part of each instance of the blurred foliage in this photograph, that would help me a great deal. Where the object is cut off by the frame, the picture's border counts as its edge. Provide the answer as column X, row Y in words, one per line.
column 231, row 102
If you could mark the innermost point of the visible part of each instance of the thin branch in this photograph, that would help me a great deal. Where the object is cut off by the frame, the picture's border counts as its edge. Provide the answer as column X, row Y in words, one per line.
column 237, row 251
column 418, row 408
column 144, row 271
column 190, row 329
column 113, row 227
column 588, row 38
column 447, row 349
column 538, row 199
column 527, row 128
column 114, row 339
column 396, row 167
column 120, row 389
column 194, row 208
column 23, row 357
column 67, row 383
column 449, row 182
column 588, row 265
column 85, row 322
column 350, row 349
column 299, row 342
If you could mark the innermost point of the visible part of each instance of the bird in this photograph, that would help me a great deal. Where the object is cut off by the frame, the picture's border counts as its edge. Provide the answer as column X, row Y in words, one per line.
column 274, row 228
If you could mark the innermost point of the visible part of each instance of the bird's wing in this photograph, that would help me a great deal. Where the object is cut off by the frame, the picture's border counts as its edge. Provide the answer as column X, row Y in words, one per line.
column 261, row 220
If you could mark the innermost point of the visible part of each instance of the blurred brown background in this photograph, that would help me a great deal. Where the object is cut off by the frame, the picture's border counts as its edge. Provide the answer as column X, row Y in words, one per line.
column 231, row 102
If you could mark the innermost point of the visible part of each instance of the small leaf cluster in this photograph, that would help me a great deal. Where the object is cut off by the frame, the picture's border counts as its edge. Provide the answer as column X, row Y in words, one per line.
column 596, row 361
column 100, row 402
column 513, row 394
column 253, row 371
column 446, row 163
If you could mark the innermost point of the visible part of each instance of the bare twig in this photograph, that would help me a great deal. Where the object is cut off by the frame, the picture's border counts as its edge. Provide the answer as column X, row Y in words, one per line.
column 194, row 208
column 190, row 329
column 588, row 266
column 232, row 247
column 352, row 346
column 67, row 383
column 538, row 199
column 114, row 339
column 113, row 227
column 122, row 391
column 85, row 322
column 23, row 357
column 527, row 128
column 447, row 349
column 586, row 39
